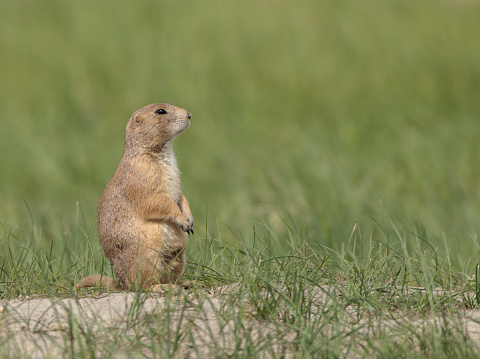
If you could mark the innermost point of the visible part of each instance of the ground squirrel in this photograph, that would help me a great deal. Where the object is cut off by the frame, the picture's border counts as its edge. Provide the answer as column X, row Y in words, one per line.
column 142, row 213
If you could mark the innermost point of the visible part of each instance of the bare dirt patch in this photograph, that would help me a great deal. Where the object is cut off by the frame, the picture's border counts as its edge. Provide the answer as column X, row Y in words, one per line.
column 185, row 324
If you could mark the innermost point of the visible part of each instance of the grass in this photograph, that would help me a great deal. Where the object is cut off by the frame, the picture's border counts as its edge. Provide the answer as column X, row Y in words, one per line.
column 281, row 296
column 332, row 143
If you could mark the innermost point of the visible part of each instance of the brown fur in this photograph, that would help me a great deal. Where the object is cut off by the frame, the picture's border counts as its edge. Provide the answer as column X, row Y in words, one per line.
column 142, row 213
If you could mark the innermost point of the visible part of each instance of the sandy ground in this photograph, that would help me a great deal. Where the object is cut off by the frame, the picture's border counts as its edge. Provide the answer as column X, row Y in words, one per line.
column 56, row 327
column 43, row 327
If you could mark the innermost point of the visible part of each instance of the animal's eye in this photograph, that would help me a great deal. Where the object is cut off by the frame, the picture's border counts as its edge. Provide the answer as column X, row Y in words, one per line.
column 161, row 111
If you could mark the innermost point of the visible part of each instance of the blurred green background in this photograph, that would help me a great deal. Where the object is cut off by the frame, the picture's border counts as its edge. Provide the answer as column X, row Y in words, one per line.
column 319, row 113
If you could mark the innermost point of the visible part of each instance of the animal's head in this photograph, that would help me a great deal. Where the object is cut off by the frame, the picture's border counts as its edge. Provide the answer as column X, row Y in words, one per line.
column 153, row 126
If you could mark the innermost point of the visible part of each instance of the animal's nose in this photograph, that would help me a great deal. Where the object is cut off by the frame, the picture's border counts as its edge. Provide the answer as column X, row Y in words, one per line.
column 189, row 115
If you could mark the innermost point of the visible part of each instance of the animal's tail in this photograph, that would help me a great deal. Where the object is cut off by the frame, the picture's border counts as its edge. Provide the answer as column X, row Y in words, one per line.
column 98, row 281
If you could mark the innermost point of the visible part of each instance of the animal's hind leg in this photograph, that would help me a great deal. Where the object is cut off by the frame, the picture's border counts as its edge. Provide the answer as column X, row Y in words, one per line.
column 146, row 270
column 162, row 288
column 151, row 268
column 173, row 261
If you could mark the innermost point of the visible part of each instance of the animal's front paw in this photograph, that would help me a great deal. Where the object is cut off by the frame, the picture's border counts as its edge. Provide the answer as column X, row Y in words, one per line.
column 187, row 226
column 188, row 216
column 190, row 222
column 188, row 229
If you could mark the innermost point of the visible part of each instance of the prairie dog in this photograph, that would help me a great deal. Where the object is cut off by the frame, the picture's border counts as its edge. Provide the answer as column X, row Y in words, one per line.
column 142, row 213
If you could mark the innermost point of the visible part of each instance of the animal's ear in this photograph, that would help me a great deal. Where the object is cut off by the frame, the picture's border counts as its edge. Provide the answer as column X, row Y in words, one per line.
column 136, row 121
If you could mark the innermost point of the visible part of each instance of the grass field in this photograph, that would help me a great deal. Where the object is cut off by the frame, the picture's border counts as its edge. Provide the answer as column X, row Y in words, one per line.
column 343, row 134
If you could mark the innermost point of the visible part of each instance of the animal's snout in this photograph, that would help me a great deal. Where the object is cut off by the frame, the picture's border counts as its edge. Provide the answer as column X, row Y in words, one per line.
column 189, row 115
